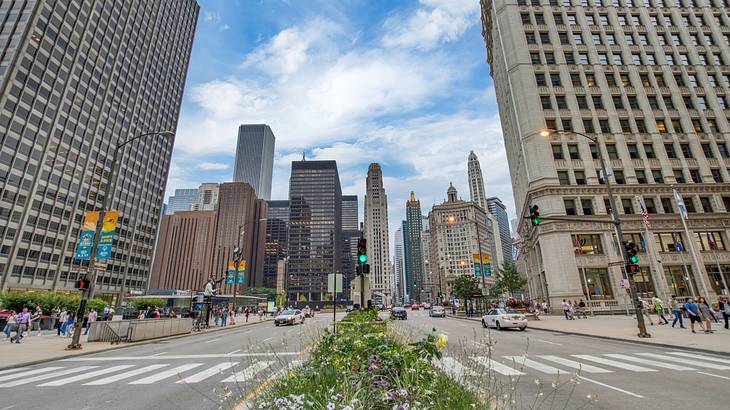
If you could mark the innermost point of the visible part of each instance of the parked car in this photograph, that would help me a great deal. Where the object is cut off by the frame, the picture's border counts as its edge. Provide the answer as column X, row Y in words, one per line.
column 398, row 313
column 407, row 305
column 415, row 306
column 426, row 306
column 307, row 312
column 504, row 318
column 289, row 317
column 380, row 306
column 437, row 311
column 350, row 308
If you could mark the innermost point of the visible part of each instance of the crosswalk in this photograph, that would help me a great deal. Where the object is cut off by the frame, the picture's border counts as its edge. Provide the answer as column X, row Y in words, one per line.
column 106, row 374
column 643, row 362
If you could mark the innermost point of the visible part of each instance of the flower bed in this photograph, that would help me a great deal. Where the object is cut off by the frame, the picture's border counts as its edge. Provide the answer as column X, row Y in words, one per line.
column 364, row 367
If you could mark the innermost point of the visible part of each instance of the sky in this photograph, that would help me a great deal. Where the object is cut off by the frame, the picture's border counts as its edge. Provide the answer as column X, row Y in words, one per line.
column 401, row 83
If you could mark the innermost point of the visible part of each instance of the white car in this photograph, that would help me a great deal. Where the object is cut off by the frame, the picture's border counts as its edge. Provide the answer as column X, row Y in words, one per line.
column 504, row 318
column 437, row 311
column 289, row 317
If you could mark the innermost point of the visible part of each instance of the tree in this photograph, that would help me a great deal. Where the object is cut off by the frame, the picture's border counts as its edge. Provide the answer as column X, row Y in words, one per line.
column 509, row 279
column 465, row 286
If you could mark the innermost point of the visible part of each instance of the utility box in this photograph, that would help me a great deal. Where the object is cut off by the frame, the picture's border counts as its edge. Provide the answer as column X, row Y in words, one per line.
column 355, row 287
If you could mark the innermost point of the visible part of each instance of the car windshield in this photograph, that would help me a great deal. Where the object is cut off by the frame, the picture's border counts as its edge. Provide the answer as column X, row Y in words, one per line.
column 505, row 312
column 398, row 309
column 437, row 308
column 288, row 312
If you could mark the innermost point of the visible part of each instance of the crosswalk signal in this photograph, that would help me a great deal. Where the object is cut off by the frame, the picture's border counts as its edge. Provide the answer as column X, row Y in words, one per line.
column 534, row 215
column 362, row 252
column 632, row 260
column 82, row 283
column 414, row 285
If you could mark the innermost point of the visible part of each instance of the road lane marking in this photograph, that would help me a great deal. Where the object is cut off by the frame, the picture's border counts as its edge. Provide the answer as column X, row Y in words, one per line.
column 200, row 376
column 714, row 375
column 47, row 376
column 453, row 368
column 158, row 354
column 28, row 373
column 211, row 341
column 649, row 362
column 267, row 339
column 638, row 396
column 17, row 369
column 263, row 386
column 609, row 362
column 549, row 342
column 575, row 365
column 521, row 361
column 125, row 375
column 497, row 366
column 686, row 361
column 701, row 357
column 235, row 351
column 165, row 374
column 248, row 373
column 183, row 356
column 85, row 376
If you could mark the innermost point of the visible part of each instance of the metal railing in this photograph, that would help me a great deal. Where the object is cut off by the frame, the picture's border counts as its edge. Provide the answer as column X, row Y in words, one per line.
column 109, row 334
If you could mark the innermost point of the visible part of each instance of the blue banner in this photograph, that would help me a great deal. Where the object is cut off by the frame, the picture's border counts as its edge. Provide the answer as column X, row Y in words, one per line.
column 83, row 248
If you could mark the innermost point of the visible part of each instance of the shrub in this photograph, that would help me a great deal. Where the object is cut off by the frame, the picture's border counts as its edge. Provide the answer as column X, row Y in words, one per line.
column 141, row 304
column 17, row 300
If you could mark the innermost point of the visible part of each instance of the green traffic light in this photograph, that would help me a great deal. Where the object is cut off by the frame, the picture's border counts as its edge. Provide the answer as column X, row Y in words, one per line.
column 634, row 259
column 362, row 258
column 536, row 221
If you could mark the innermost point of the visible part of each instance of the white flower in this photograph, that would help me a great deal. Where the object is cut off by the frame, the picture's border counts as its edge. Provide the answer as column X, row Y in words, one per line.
column 330, row 406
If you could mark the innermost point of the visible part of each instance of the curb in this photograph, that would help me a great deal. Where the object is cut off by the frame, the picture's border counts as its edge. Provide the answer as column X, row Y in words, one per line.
column 118, row 347
column 618, row 339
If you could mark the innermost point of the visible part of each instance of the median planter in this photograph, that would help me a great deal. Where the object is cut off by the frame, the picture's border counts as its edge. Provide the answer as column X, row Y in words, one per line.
column 363, row 366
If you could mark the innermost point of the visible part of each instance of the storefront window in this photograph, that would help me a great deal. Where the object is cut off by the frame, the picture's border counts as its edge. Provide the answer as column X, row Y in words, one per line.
column 589, row 244
column 597, row 283
column 716, row 280
column 681, row 282
column 705, row 239
column 667, row 242
column 644, row 283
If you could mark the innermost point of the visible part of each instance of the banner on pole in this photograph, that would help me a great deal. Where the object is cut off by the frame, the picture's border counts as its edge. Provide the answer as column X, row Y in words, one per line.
column 86, row 240
column 106, row 239
column 483, row 266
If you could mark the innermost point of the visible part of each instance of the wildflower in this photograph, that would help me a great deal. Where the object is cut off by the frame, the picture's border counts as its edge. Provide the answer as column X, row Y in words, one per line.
column 441, row 341
column 330, row 406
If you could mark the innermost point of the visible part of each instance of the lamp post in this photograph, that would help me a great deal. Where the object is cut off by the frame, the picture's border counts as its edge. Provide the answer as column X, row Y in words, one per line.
column 107, row 204
column 238, row 256
column 616, row 222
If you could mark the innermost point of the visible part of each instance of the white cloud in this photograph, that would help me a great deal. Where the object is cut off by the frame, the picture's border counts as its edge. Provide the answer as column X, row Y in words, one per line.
column 211, row 17
column 435, row 22
column 213, row 166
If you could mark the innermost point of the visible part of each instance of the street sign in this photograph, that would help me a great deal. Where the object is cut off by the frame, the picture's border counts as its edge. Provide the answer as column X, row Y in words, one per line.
column 106, row 239
column 86, row 240
column 331, row 278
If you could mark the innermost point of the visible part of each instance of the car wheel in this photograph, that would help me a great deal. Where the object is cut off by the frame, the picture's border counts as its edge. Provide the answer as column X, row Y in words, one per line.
column 523, row 328
column 277, row 324
column 498, row 326
column 484, row 324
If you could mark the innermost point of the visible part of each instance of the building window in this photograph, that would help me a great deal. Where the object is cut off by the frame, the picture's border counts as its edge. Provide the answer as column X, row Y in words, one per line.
column 569, row 206
column 669, row 147
column 694, row 174
column 594, row 151
column 555, row 79
column 587, row 205
column 681, row 283
column 716, row 175
column 706, row 205
column 667, row 205
column 546, row 103
column 597, row 283
column 670, row 242
column 563, row 178
column 679, row 176
column 650, row 207
column 633, row 151
column 535, row 58
column 628, row 206
column 611, row 150
column 580, row 177
column 689, row 203
column 661, row 127
column 708, row 241
column 557, row 151
column 722, row 148
column 587, row 244
column 707, row 150
column 561, row 102
column 540, row 79
column 643, row 282
column 686, row 150
column 619, row 177
column 641, row 176
column 649, row 150
column 573, row 151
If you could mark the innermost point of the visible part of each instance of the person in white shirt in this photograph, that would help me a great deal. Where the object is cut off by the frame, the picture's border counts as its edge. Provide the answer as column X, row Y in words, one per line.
column 92, row 318
column 209, row 289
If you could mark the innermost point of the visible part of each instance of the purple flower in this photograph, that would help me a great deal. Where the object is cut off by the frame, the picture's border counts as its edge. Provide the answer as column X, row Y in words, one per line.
column 381, row 383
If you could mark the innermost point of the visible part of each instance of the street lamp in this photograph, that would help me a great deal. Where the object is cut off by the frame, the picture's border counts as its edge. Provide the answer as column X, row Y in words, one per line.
column 238, row 255
column 546, row 133
column 107, row 204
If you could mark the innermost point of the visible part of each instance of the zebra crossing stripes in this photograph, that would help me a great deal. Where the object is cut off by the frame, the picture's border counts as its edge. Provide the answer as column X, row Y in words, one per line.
column 86, row 376
column 200, row 376
column 614, row 363
column 17, row 369
column 522, row 361
column 28, row 373
column 248, row 373
column 575, row 365
column 165, row 374
column 47, row 376
column 701, row 357
column 125, row 375
column 686, row 361
column 453, row 368
column 497, row 366
column 654, row 363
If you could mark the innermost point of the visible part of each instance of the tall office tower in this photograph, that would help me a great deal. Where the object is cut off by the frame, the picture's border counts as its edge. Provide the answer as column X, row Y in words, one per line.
column 183, row 251
column 183, row 200
column 76, row 79
column 460, row 231
column 207, row 197
column 476, row 181
column 350, row 236
column 255, row 158
column 240, row 222
column 647, row 82
column 414, row 251
column 399, row 264
column 277, row 238
column 499, row 211
column 315, row 229
column 350, row 213
column 375, row 230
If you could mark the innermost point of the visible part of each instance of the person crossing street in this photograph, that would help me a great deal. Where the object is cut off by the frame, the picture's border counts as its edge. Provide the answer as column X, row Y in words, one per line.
column 659, row 309
column 677, row 311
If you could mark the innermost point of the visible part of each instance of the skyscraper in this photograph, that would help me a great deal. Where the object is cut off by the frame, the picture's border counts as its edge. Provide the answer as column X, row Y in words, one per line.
column 399, row 263
column 350, row 213
column 476, row 181
column 414, row 251
column 255, row 158
column 207, row 197
column 376, row 233
column 182, row 200
column 350, row 236
column 315, row 229
column 76, row 79
column 499, row 211
column 277, row 239
column 644, row 84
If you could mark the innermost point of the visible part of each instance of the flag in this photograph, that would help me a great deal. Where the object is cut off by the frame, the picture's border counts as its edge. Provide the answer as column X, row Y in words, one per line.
column 680, row 204
column 644, row 215
column 578, row 245
column 677, row 238
column 711, row 242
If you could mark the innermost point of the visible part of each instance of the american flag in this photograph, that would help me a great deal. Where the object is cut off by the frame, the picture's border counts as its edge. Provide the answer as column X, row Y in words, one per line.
column 644, row 215
column 711, row 242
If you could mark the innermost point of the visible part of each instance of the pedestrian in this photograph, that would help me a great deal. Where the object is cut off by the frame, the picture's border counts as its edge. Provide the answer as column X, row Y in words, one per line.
column 11, row 325
column 22, row 319
column 582, row 309
column 725, row 308
column 92, row 318
column 693, row 313
column 224, row 317
column 156, row 313
column 35, row 320
column 647, row 311
column 677, row 312
column 566, row 309
column 659, row 309
column 261, row 314
column 69, row 330
column 62, row 317
column 54, row 316
column 705, row 314
column 247, row 312
column 545, row 307
column 105, row 313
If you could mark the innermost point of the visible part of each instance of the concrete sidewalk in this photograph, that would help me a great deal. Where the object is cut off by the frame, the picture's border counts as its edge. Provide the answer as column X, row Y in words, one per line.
column 624, row 328
column 38, row 349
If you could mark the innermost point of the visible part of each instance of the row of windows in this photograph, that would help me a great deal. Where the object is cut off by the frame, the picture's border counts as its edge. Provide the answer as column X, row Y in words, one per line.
column 586, row 205
column 648, row 58
column 645, row 80
column 647, row 148
column 624, row 3
column 708, row 125
column 619, row 178
column 630, row 39
column 592, row 244
column 622, row 20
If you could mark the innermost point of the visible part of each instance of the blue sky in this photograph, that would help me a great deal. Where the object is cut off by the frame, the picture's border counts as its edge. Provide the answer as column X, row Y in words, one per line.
column 402, row 83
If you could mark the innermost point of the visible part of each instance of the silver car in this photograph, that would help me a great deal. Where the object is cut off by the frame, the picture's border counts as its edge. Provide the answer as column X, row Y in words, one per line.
column 504, row 318
column 289, row 317
column 437, row 311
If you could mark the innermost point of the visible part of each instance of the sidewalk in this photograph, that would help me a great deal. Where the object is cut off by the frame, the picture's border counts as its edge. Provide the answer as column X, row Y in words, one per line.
column 624, row 328
column 38, row 349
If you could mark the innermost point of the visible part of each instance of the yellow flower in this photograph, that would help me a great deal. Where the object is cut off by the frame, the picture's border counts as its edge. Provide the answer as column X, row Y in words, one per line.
column 441, row 341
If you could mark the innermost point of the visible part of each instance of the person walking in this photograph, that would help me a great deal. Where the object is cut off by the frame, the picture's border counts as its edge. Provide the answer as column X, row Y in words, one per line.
column 54, row 316
column 62, row 317
column 69, row 329
column 35, row 320
column 11, row 325
column 725, row 308
column 224, row 317
column 646, row 310
column 247, row 312
column 693, row 313
column 23, row 320
column 677, row 311
column 566, row 309
column 545, row 307
column 156, row 313
column 92, row 318
column 705, row 314
column 659, row 309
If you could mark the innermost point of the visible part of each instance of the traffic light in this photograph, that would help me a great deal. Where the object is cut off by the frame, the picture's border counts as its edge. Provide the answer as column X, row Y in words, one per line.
column 362, row 252
column 366, row 268
column 534, row 215
column 632, row 261
column 414, row 285
column 82, row 283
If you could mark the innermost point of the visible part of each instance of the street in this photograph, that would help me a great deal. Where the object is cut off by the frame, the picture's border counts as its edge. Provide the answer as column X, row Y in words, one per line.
column 198, row 371
column 542, row 369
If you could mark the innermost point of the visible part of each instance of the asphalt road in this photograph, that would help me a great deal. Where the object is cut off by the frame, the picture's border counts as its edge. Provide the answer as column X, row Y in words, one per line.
column 202, row 371
column 539, row 369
